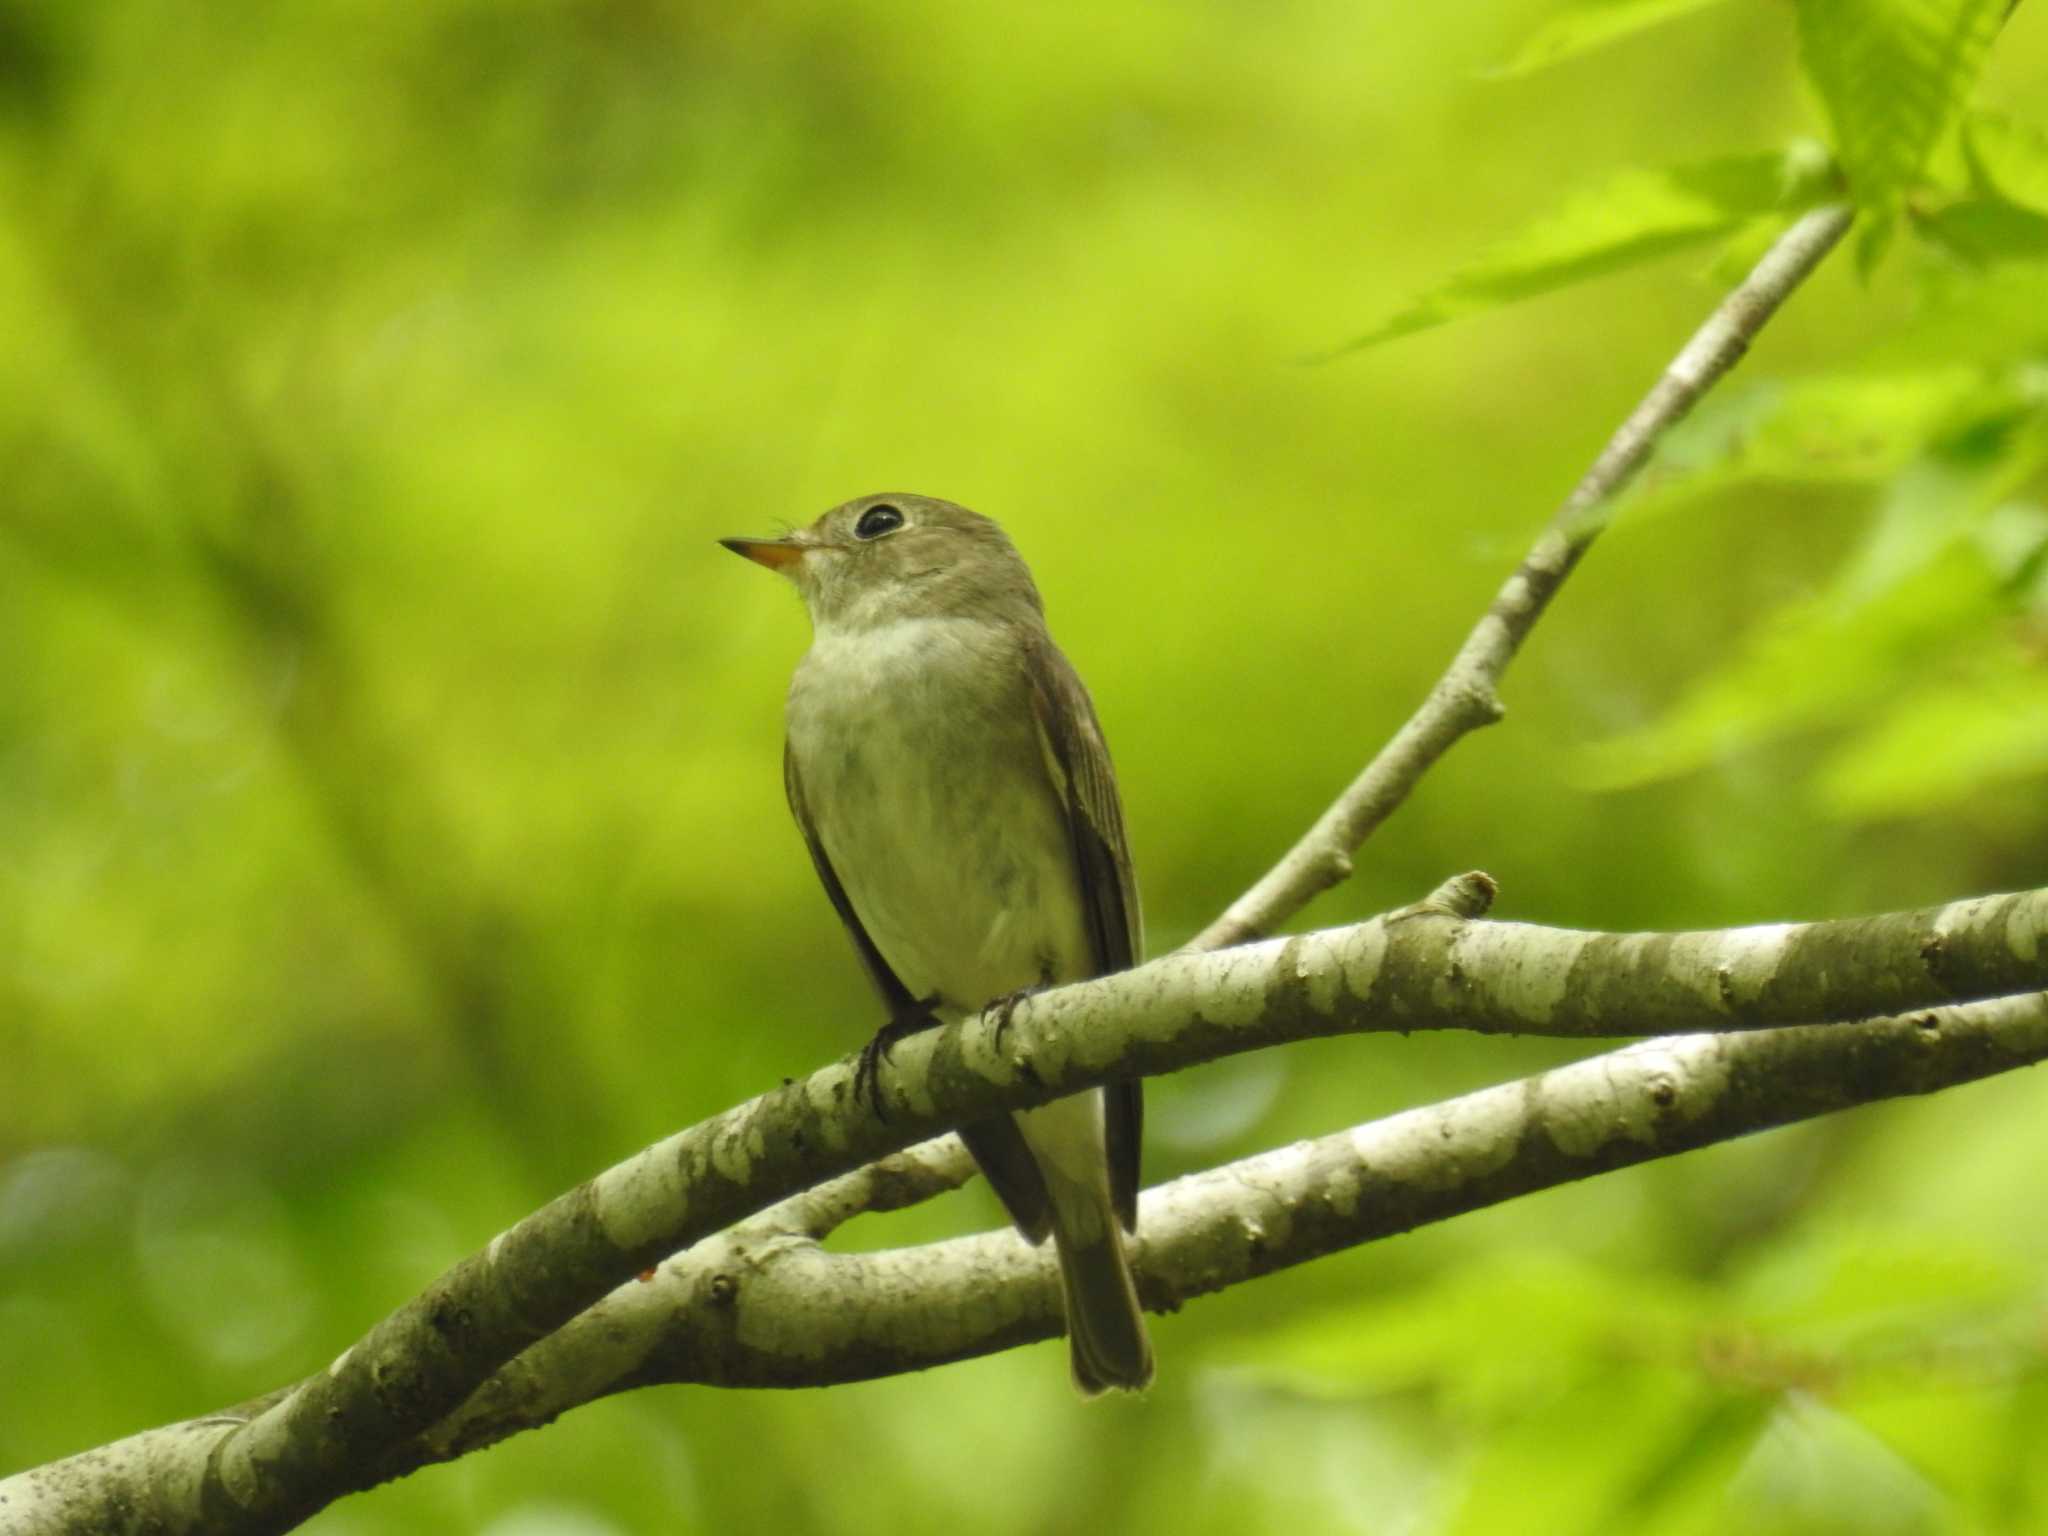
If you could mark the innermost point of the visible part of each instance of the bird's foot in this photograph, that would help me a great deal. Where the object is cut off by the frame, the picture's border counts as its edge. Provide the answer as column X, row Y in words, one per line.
column 866, row 1079
column 1002, row 1008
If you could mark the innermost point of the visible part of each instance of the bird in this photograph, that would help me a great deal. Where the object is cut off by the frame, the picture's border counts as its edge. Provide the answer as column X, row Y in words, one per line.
column 950, row 778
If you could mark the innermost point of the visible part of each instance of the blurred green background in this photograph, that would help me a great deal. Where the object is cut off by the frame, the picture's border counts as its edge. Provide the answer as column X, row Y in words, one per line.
column 391, row 826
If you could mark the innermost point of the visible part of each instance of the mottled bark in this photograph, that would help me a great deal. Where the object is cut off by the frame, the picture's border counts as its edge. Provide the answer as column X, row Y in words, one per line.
column 380, row 1408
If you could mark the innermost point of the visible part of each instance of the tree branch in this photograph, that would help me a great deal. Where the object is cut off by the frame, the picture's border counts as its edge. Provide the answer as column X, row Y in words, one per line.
column 373, row 1413
column 754, row 1308
column 1465, row 697
column 762, row 1305
column 368, row 1416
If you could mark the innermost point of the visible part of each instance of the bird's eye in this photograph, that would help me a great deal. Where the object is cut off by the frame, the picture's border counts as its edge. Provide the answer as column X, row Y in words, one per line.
column 879, row 519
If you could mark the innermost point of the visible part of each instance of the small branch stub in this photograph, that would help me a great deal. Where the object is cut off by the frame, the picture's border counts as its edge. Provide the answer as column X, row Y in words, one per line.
column 1463, row 897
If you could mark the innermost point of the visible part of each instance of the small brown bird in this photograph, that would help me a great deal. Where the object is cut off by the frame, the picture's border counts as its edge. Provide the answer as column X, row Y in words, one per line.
column 946, row 768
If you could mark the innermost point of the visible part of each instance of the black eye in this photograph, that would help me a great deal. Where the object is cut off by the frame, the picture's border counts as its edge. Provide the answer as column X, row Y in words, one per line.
column 879, row 519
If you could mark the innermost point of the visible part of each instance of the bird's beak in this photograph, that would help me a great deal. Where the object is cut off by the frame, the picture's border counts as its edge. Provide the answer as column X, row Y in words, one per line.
column 776, row 554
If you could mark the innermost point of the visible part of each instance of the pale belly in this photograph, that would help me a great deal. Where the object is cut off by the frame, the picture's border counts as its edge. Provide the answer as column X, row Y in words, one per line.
column 933, row 804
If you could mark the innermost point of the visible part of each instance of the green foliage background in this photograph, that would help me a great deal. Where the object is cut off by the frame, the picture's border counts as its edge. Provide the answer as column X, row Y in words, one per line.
column 390, row 824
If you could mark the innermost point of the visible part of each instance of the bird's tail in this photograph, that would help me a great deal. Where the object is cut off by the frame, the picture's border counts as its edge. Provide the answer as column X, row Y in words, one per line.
column 1105, row 1325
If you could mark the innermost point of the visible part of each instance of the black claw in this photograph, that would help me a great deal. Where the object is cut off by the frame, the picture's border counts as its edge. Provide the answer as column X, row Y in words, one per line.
column 865, row 1085
column 866, row 1072
column 1005, row 1007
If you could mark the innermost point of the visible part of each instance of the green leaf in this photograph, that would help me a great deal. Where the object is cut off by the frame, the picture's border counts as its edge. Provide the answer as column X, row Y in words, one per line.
column 1943, row 744
column 1995, row 315
column 1592, row 24
column 1914, row 594
column 1985, row 230
column 1893, row 76
column 1950, row 497
column 1816, row 1470
column 2007, row 158
column 1813, row 665
column 1874, row 238
column 1587, row 1459
column 2004, row 216
column 1741, row 251
column 1693, row 1462
column 1637, row 216
column 1854, row 429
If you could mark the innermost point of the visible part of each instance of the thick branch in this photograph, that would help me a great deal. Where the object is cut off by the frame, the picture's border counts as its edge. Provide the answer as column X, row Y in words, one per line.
column 763, row 1305
column 748, row 1312
column 1424, row 968
column 1465, row 697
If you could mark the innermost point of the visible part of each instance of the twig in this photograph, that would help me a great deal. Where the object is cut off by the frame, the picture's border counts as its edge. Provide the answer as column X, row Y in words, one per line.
column 1465, row 697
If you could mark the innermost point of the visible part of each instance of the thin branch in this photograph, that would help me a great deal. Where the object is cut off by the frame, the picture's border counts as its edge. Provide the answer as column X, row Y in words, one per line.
column 1466, row 697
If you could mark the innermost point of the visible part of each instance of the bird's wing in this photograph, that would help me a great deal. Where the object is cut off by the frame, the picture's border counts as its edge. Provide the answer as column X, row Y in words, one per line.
column 1077, row 759
column 998, row 1146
